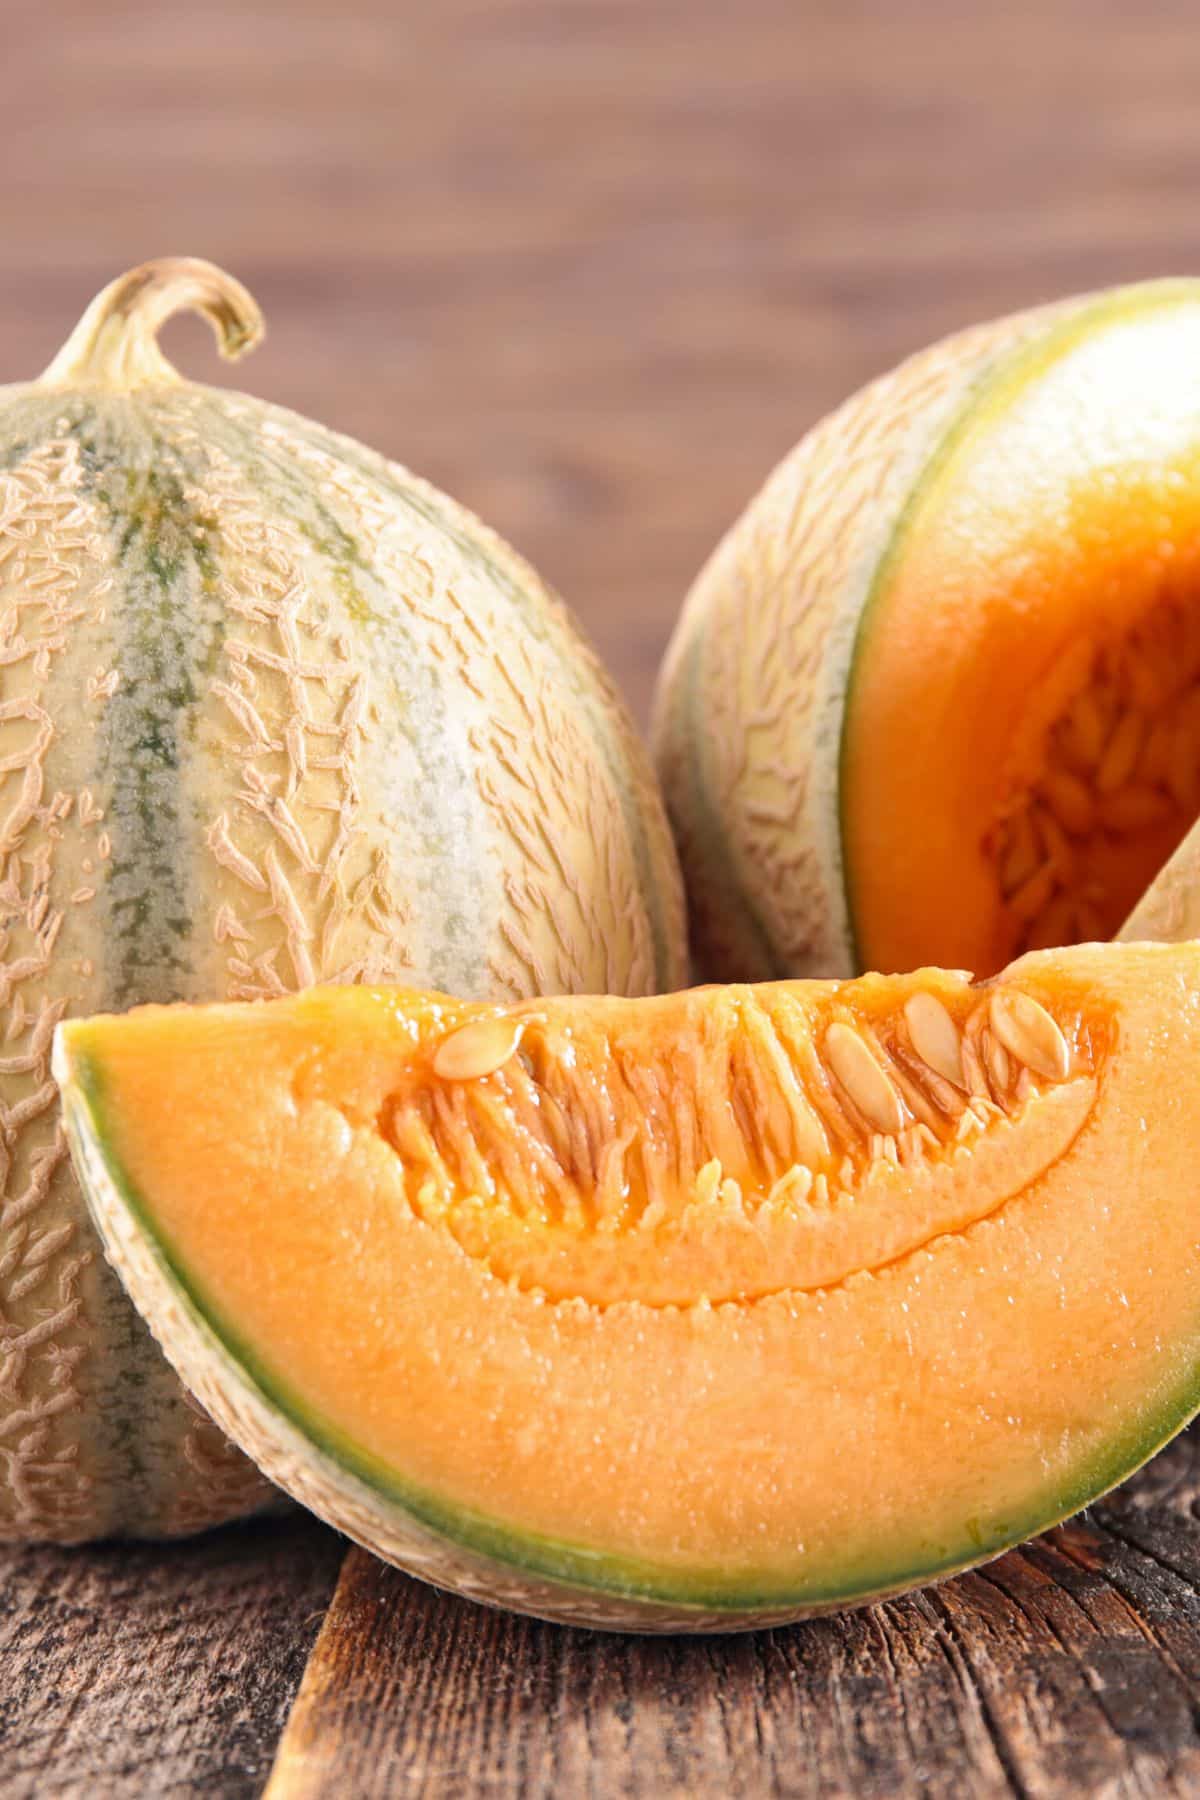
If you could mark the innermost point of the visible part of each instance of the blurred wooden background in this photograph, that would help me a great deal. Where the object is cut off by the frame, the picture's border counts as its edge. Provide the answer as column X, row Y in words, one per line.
column 593, row 265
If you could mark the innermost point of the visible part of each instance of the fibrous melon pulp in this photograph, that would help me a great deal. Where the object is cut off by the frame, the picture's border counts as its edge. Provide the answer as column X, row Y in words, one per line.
column 272, row 711
column 936, row 697
column 701, row 1311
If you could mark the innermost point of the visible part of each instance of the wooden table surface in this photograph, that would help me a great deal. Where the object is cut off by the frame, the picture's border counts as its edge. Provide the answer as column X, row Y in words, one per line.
column 592, row 265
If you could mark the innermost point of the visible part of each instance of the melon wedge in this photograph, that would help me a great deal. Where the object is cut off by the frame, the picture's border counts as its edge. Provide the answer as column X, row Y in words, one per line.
column 704, row 1311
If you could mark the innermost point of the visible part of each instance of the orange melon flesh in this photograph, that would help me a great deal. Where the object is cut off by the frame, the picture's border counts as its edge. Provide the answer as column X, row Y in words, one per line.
column 710, row 1308
column 1021, row 750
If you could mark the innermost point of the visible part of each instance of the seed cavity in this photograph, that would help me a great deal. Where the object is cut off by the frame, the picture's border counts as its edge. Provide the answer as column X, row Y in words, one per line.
column 934, row 1037
column 536, row 1137
column 477, row 1049
column 1120, row 761
column 1025, row 1028
column 863, row 1079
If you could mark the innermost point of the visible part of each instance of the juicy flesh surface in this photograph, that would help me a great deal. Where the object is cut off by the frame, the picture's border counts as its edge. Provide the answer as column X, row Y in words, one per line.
column 1022, row 744
column 925, row 1342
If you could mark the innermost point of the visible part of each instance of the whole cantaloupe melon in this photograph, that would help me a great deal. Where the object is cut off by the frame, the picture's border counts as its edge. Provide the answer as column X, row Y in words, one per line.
column 272, row 711
column 936, row 695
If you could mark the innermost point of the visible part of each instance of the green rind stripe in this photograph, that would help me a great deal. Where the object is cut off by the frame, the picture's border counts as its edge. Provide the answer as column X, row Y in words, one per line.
column 419, row 709
column 170, row 635
column 137, row 1416
column 590, row 1572
column 430, row 507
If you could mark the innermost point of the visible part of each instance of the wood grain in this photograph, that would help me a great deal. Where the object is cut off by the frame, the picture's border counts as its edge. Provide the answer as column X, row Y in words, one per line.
column 1071, row 1666
column 130, row 1669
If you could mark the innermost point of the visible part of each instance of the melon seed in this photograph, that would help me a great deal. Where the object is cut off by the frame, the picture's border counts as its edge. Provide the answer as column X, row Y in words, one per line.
column 1055, row 842
column 934, row 1036
column 1084, row 731
column 1034, row 895
column 1156, row 754
column 995, row 1058
column 1025, row 1028
column 1071, row 801
column 477, row 1049
column 863, row 1079
column 1020, row 853
column 1134, row 807
column 1120, row 758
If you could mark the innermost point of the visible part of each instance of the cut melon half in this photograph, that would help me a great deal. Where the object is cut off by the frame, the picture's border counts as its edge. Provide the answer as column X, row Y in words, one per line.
column 936, row 695
column 705, row 1311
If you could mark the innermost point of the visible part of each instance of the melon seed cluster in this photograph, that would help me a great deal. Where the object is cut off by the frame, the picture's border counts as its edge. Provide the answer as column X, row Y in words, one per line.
column 922, row 1079
column 1122, row 761
column 622, row 1131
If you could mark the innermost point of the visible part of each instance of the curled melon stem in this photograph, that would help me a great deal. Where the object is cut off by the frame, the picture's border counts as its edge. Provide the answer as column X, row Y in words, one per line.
column 115, row 344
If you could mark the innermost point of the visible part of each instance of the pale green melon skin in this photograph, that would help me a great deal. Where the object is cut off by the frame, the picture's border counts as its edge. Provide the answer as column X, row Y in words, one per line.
column 272, row 710
column 750, row 718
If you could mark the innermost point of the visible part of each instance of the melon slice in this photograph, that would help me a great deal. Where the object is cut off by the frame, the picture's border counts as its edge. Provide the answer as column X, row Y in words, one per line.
column 701, row 1311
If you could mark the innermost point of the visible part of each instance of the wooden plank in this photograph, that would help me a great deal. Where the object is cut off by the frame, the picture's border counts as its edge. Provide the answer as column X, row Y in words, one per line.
column 146, row 1670
column 1071, row 1666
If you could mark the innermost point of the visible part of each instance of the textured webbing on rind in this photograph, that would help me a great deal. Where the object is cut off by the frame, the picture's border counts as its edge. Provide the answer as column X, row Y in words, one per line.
column 259, row 744
column 75, row 1366
column 589, row 897
column 48, row 540
column 749, row 714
